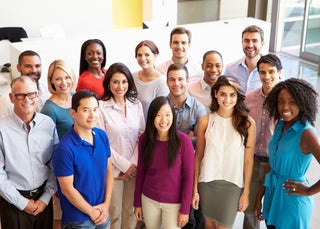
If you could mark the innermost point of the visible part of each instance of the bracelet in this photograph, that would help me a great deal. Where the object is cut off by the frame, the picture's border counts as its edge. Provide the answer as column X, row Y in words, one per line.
column 195, row 193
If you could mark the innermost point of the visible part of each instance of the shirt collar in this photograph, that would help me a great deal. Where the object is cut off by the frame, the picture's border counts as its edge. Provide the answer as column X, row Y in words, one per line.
column 204, row 85
column 76, row 139
column 111, row 103
column 21, row 123
column 187, row 103
column 262, row 94
column 297, row 126
column 243, row 63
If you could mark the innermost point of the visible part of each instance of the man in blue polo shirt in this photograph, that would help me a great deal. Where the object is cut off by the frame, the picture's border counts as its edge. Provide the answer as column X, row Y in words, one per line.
column 82, row 165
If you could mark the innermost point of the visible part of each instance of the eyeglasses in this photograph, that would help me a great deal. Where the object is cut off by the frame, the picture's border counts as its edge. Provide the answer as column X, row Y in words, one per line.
column 30, row 95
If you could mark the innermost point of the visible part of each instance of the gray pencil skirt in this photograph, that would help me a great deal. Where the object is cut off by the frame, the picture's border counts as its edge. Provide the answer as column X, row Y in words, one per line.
column 219, row 201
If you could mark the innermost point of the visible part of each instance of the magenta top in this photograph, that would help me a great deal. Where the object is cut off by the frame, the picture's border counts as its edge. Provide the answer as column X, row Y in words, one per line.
column 164, row 184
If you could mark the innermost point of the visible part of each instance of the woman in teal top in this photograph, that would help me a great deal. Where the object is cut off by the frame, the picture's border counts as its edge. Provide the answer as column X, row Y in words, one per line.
column 60, row 115
column 61, row 83
column 287, row 193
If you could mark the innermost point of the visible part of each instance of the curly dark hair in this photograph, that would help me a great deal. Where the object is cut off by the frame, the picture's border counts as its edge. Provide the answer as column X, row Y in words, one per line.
column 304, row 95
column 240, row 120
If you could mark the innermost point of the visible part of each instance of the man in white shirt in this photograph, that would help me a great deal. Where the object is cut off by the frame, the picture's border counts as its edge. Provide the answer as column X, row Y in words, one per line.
column 29, row 64
column 212, row 66
column 180, row 43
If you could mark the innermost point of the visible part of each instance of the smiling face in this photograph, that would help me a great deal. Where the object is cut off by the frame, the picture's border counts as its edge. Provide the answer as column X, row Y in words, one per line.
column 86, row 115
column 212, row 68
column 177, row 83
column 269, row 76
column 30, row 66
column 251, row 44
column 227, row 99
column 118, row 85
column 287, row 107
column 180, row 46
column 61, row 81
column 163, row 120
column 24, row 107
column 145, row 57
column 94, row 55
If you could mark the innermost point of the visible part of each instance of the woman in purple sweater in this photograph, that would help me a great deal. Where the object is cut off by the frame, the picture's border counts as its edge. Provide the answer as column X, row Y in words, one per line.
column 165, row 170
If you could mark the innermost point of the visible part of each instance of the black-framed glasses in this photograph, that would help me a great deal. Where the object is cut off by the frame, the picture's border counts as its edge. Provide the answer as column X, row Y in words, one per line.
column 22, row 96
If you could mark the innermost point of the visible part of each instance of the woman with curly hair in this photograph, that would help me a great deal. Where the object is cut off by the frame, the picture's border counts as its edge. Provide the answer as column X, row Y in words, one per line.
column 224, row 155
column 287, row 193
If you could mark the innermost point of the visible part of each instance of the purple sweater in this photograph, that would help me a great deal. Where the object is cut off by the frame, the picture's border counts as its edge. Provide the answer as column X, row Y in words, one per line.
column 164, row 184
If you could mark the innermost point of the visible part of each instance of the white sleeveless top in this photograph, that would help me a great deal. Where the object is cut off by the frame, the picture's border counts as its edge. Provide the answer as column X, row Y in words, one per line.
column 224, row 152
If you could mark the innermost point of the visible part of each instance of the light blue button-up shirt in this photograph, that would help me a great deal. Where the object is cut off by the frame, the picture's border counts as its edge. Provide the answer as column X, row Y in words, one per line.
column 248, row 81
column 25, row 158
column 188, row 116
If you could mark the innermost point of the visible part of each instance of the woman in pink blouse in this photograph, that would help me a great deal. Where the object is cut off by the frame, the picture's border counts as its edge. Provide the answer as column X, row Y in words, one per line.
column 121, row 116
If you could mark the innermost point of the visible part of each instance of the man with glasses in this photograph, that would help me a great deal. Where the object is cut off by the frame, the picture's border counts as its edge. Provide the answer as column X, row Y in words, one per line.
column 27, row 140
column 29, row 64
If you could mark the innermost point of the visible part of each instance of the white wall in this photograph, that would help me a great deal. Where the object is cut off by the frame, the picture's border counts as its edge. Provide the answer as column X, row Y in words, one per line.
column 159, row 13
column 224, row 36
column 194, row 11
column 233, row 9
column 197, row 11
column 75, row 16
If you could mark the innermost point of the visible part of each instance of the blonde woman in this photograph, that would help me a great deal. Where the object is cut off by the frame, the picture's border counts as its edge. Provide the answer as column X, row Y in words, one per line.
column 61, row 83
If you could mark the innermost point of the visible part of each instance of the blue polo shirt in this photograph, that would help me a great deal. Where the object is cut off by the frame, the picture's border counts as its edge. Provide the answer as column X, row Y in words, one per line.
column 88, row 165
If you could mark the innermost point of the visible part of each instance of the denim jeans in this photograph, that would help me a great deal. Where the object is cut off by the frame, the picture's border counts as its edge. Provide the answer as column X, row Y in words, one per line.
column 86, row 225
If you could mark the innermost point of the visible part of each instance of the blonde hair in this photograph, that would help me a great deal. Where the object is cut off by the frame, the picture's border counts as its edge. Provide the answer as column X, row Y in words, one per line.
column 63, row 65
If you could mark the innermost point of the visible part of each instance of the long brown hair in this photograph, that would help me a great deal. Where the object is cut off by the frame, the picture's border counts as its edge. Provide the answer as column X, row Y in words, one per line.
column 240, row 120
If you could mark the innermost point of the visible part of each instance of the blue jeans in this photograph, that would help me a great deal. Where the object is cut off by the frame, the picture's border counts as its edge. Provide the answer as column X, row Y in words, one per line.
column 86, row 225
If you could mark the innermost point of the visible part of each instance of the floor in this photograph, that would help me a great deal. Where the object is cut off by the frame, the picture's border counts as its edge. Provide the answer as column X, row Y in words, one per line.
column 293, row 67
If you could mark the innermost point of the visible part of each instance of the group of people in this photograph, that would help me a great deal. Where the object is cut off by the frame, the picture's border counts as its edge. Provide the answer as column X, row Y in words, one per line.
column 170, row 145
